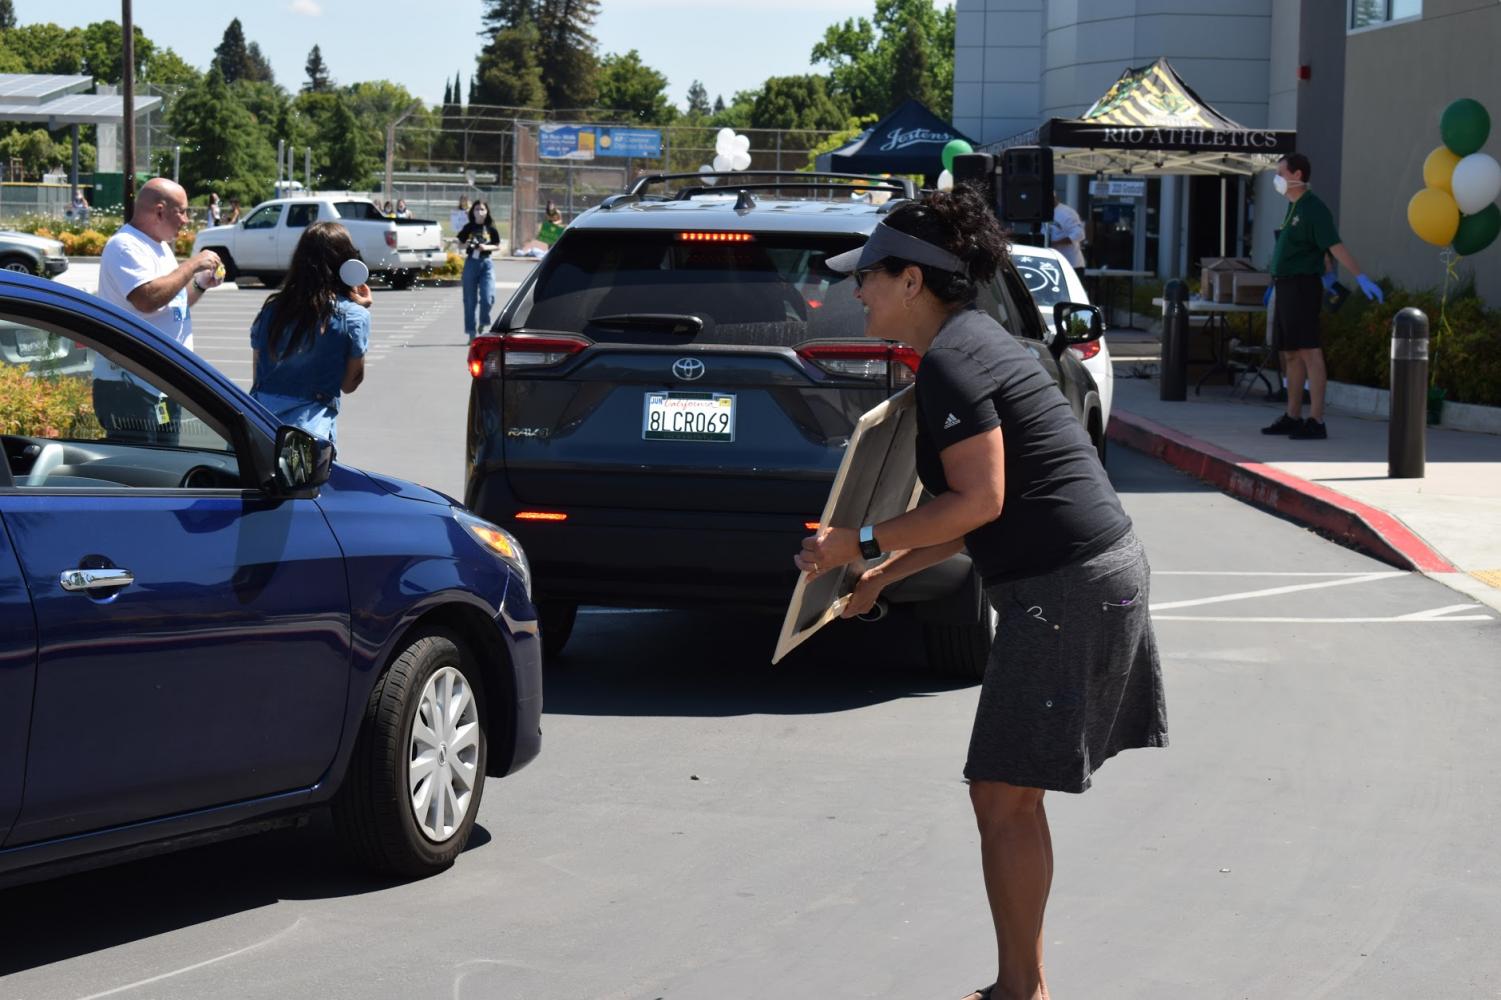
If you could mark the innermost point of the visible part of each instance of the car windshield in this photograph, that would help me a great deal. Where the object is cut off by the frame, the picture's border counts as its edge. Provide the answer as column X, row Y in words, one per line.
column 1045, row 280
column 747, row 288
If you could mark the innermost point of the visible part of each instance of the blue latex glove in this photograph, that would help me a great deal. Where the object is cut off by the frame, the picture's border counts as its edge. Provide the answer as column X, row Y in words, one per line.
column 1266, row 299
column 1371, row 289
column 1329, row 279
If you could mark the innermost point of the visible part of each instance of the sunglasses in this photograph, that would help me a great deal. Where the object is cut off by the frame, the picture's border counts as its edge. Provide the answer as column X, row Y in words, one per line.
column 860, row 275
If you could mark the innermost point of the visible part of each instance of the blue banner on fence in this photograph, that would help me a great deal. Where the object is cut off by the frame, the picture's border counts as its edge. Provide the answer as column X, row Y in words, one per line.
column 642, row 142
column 566, row 142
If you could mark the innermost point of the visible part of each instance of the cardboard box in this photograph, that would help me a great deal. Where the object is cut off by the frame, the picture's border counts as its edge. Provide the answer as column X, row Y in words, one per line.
column 1248, row 288
column 1216, row 283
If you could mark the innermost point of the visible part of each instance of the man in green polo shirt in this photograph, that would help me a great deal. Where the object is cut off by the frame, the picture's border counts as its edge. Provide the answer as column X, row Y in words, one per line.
column 1299, row 278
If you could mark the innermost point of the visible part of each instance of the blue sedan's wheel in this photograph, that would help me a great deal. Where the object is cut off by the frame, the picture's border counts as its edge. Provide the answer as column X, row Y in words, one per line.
column 409, row 800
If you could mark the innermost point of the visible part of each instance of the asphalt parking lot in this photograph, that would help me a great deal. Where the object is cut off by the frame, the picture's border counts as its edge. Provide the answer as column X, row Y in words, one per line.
column 701, row 824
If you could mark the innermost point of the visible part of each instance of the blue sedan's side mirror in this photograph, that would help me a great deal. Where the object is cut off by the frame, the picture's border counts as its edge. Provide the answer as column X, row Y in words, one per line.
column 302, row 460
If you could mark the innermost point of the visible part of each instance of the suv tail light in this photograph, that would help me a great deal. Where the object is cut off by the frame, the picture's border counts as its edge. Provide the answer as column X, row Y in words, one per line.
column 391, row 238
column 488, row 353
column 894, row 363
column 1087, row 351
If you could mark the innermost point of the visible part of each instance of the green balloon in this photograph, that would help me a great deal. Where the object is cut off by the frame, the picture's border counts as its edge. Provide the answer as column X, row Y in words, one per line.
column 956, row 147
column 1465, row 126
column 1478, row 231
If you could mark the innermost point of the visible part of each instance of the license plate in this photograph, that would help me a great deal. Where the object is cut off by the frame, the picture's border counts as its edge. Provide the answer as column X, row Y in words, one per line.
column 30, row 344
column 688, row 416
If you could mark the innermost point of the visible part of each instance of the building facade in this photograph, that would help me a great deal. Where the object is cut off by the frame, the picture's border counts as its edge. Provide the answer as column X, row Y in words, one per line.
column 1362, row 82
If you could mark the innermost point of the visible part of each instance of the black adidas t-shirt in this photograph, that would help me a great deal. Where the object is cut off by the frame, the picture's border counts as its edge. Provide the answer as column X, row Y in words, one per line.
column 1059, row 505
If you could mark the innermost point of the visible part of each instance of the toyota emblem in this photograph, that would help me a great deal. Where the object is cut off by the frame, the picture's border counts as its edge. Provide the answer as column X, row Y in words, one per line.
column 688, row 369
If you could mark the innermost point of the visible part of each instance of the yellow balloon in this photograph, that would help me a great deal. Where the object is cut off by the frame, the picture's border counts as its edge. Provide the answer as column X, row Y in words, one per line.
column 1438, row 169
column 1434, row 216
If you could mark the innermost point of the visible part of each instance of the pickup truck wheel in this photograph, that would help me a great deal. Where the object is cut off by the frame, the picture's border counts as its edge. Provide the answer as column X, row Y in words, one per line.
column 412, row 791
column 274, row 279
column 402, row 280
column 961, row 651
column 556, row 620
column 20, row 265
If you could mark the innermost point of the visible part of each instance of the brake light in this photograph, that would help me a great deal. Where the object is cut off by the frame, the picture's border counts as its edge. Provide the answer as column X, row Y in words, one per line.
column 484, row 361
column 1086, row 351
column 391, row 238
column 874, row 360
column 716, row 238
column 541, row 515
column 811, row 525
column 488, row 353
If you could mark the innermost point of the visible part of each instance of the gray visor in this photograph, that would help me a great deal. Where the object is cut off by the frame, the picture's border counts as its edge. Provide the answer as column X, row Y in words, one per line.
column 886, row 242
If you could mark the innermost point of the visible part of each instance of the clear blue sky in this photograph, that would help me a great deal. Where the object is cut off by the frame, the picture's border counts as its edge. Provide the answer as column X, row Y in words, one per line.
column 729, row 44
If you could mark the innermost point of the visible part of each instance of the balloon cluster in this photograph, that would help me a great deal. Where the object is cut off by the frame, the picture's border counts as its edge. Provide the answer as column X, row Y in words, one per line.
column 731, row 152
column 1458, row 204
column 955, row 147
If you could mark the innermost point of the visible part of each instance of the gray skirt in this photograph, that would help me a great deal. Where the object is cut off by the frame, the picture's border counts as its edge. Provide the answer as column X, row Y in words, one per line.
column 1073, row 677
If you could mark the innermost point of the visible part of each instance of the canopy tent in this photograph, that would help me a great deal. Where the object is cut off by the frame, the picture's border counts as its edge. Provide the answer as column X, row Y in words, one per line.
column 59, row 101
column 909, row 140
column 1151, row 123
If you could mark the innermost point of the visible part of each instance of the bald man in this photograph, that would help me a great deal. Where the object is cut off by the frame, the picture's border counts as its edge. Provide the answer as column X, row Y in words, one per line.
column 139, row 273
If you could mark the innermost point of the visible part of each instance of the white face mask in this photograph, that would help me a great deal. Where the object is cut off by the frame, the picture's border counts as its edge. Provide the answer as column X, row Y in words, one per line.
column 1282, row 184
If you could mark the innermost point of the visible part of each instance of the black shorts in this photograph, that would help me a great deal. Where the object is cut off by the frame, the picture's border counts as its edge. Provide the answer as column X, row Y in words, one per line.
column 1295, row 312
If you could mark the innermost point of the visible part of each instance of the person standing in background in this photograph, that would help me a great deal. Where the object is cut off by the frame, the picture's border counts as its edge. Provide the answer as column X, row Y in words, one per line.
column 211, row 216
column 459, row 217
column 480, row 239
column 1066, row 235
column 234, row 212
column 139, row 273
column 402, row 212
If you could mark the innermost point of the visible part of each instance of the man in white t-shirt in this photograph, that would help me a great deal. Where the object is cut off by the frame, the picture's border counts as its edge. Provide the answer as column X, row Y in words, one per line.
column 1067, row 235
column 139, row 273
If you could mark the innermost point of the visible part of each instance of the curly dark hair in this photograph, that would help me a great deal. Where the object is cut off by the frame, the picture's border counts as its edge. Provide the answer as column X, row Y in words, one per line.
column 962, row 223
column 301, row 310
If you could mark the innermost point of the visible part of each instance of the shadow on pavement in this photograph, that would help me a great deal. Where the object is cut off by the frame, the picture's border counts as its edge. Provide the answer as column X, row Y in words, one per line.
column 1132, row 472
column 64, row 918
column 718, row 663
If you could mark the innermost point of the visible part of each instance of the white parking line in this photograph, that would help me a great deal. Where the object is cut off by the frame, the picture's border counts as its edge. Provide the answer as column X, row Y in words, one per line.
column 1273, row 591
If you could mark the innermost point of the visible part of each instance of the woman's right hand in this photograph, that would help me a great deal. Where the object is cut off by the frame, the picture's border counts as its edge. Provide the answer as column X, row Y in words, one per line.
column 867, row 589
column 360, row 296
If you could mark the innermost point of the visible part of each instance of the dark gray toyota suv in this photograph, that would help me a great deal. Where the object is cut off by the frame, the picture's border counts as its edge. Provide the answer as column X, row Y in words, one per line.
column 661, row 407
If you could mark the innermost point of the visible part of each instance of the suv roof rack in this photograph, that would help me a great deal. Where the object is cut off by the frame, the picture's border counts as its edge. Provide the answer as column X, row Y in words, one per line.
column 802, row 180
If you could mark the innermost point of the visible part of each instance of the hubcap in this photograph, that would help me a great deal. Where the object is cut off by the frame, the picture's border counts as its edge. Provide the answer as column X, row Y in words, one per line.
column 443, row 763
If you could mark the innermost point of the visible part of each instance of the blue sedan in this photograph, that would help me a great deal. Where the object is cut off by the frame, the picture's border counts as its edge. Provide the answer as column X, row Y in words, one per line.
column 208, row 626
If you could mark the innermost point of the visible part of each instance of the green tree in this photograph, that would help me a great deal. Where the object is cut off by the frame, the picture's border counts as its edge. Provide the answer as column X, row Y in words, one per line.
column 317, row 73
column 736, row 114
column 10, row 62
column 47, row 48
column 102, row 51
column 223, row 150
column 628, row 84
column 905, row 50
column 168, row 69
column 231, row 55
column 35, row 149
column 7, row 15
column 698, row 100
column 345, row 151
column 798, row 102
column 510, row 74
column 851, row 131
column 566, row 52
column 718, row 103
column 257, row 66
column 271, row 109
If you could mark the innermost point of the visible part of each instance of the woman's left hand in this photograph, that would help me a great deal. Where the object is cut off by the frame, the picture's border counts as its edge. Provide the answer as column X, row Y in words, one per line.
column 828, row 550
column 360, row 296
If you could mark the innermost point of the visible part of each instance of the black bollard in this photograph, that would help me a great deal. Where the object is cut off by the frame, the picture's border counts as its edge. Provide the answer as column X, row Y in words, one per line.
column 1406, row 433
column 1174, row 373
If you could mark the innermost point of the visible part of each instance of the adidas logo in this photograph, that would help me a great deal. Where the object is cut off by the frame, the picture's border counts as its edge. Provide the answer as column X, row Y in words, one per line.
column 952, row 421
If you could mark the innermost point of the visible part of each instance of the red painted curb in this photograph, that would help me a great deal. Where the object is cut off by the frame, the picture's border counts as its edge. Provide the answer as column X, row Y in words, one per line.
column 1349, row 522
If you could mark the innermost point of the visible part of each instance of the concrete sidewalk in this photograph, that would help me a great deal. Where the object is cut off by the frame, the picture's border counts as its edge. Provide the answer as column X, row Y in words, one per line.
column 1443, row 525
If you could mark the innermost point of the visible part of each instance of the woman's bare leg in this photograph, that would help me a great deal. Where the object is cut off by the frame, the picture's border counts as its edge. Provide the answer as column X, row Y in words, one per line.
column 1016, row 857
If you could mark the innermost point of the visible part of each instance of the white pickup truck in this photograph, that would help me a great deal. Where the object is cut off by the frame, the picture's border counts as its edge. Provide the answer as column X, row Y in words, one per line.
column 260, row 245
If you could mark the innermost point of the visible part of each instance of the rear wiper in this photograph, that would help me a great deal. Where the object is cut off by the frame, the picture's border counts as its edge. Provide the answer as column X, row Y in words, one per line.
column 680, row 324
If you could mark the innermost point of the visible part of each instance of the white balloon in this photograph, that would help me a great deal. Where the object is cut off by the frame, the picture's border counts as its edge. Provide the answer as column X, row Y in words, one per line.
column 1476, row 182
column 741, row 144
column 721, row 163
column 945, row 181
column 705, row 169
column 724, row 141
column 739, row 161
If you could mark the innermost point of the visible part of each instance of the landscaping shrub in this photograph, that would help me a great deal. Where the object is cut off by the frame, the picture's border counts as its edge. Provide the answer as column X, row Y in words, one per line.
column 46, row 405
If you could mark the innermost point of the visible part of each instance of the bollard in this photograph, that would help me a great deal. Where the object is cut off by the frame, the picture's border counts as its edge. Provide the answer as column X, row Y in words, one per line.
column 1406, row 433
column 1174, row 373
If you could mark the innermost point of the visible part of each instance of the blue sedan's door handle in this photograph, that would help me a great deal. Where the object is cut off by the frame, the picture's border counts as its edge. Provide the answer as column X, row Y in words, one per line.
column 83, row 580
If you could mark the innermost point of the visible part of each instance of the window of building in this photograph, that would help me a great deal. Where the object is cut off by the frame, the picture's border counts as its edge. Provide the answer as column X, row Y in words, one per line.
column 1368, row 13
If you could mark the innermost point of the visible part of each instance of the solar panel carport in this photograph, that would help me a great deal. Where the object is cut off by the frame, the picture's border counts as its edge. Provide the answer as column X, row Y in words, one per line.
column 58, row 101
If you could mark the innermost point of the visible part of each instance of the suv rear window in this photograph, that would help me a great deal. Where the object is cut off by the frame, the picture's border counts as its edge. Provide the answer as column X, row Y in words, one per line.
column 770, row 290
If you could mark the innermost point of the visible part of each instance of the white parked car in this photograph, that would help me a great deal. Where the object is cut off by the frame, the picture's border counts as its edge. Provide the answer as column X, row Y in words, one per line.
column 260, row 245
column 1052, row 279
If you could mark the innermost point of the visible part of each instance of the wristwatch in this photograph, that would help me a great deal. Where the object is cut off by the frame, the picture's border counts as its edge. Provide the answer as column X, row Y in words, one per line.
column 869, row 547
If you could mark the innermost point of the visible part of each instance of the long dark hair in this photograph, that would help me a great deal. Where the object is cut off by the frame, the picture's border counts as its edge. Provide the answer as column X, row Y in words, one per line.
column 962, row 223
column 489, row 219
column 301, row 310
